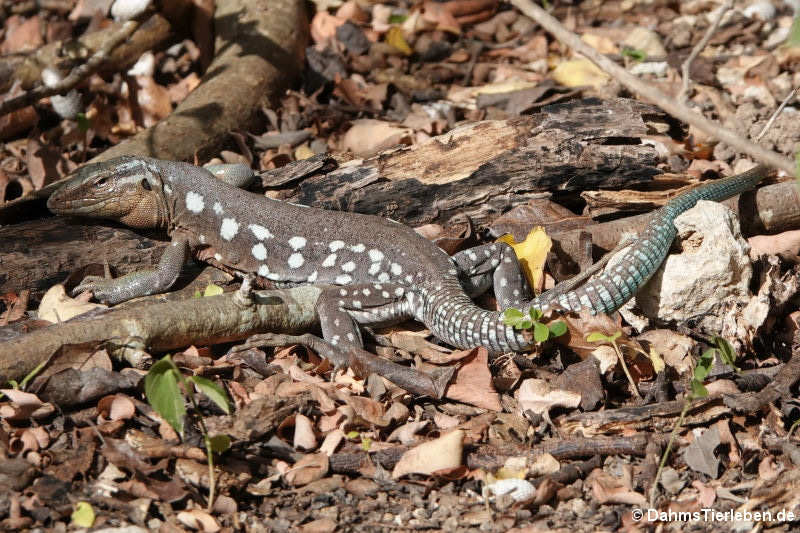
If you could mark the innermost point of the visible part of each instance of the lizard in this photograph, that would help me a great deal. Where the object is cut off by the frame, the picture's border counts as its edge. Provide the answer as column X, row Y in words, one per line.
column 380, row 272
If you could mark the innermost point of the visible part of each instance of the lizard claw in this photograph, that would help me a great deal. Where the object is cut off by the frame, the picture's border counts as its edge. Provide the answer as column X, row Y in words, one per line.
column 102, row 288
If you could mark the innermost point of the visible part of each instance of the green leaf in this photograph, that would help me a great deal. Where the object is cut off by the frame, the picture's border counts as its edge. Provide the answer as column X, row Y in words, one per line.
column 352, row 434
column 397, row 18
column 214, row 392
column 597, row 336
column 197, row 294
column 212, row 290
column 633, row 53
column 366, row 443
column 83, row 122
column 726, row 352
column 163, row 393
column 524, row 324
column 512, row 317
column 535, row 313
column 704, row 364
column 220, row 443
column 558, row 328
column 698, row 389
column 794, row 32
column 540, row 332
column 83, row 515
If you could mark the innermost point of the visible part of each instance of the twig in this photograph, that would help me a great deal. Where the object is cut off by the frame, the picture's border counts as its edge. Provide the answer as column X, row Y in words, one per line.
column 727, row 6
column 777, row 112
column 651, row 94
column 77, row 74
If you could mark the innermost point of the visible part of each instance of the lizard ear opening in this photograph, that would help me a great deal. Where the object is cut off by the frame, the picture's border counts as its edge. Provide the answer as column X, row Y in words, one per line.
column 146, row 185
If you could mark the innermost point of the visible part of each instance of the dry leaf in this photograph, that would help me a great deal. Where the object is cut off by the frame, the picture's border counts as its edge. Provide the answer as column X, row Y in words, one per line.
column 538, row 396
column 531, row 253
column 428, row 457
column 310, row 468
column 198, row 520
column 579, row 72
column 304, row 437
column 472, row 383
column 57, row 307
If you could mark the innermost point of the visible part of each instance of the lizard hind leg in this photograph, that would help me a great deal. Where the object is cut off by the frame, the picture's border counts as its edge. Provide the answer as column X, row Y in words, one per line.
column 493, row 264
column 343, row 309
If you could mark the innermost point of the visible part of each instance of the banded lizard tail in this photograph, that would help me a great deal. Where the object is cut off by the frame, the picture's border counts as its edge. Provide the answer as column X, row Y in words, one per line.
column 382, row 271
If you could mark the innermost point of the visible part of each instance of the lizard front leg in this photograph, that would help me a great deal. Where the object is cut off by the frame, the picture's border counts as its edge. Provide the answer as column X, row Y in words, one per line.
column 142, row 282
column 493, row 264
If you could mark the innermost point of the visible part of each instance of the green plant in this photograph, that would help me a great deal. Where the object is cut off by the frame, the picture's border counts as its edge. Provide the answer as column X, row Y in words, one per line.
column 696, row 390
column 597, row 336
column 633, row 53
column 532, row 321
column 165, row 386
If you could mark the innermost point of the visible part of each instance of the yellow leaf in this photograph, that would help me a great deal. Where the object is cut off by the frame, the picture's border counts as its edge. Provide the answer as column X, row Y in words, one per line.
column 655, row 358
column 303, row 152
column 531, row 253
column 212, row 290
column 577, row 72
column 395, row 38
column 83, row 515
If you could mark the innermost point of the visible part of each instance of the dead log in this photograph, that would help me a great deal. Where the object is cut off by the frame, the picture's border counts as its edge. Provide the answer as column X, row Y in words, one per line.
column 485, row 168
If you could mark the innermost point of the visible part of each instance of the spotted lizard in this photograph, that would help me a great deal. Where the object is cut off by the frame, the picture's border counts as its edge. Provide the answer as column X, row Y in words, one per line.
column 381, row 271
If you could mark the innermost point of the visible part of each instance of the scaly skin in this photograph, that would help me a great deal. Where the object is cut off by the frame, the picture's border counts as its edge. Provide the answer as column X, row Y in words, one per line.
column 387, row 272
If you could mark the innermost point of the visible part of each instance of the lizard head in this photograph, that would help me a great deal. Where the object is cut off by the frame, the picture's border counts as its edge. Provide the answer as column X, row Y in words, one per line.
column 126, row 189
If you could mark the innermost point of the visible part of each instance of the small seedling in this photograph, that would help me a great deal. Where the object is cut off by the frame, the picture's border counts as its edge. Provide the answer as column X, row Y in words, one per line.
column 597, row 336
column 633, row 53
column 165, row 386
column 696, row 390
column 532, row 321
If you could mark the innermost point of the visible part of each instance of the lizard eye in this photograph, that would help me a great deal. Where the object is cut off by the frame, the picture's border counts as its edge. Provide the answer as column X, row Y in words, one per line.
column 146, row 185
column 101, row 181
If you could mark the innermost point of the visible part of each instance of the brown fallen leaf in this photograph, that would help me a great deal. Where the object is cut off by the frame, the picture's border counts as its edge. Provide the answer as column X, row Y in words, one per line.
column 199, row 521
column 309, row 468
column 428, row 457
column 472, row 383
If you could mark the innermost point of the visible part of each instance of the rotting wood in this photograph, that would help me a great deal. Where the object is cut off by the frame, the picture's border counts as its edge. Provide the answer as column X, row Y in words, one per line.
column 484, row 168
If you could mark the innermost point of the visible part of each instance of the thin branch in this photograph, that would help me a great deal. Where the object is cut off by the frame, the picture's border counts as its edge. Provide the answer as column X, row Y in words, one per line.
column 777, row 112
column 651, row 94
column 77, row 74
column 699, row 47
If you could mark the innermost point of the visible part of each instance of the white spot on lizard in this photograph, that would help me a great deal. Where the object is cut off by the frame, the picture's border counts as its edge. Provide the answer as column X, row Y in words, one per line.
column 218, row 208
column 335, row 245
column 344, row 279
column 263, row 270
column 358, row 248
column 297, row 243
column 375, row 255
column 329, row 261
column 349, row 266
column 260, row 232
column 259, row 252
column 296, row 260
column 312, row 277
column 194, row 202
column 229, row 228
column 396, row 269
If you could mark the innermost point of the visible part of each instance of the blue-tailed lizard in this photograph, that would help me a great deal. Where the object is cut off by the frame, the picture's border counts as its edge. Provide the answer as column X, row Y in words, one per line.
column 383, row 272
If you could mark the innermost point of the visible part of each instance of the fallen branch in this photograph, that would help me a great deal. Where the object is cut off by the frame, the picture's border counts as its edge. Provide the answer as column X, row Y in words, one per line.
column 77, row 74
column 167, row 326
column 687, row 78
column 27, row 69
column 650, row 93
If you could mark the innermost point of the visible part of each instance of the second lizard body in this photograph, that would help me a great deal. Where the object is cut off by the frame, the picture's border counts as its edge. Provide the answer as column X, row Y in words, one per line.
column 385, row 271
